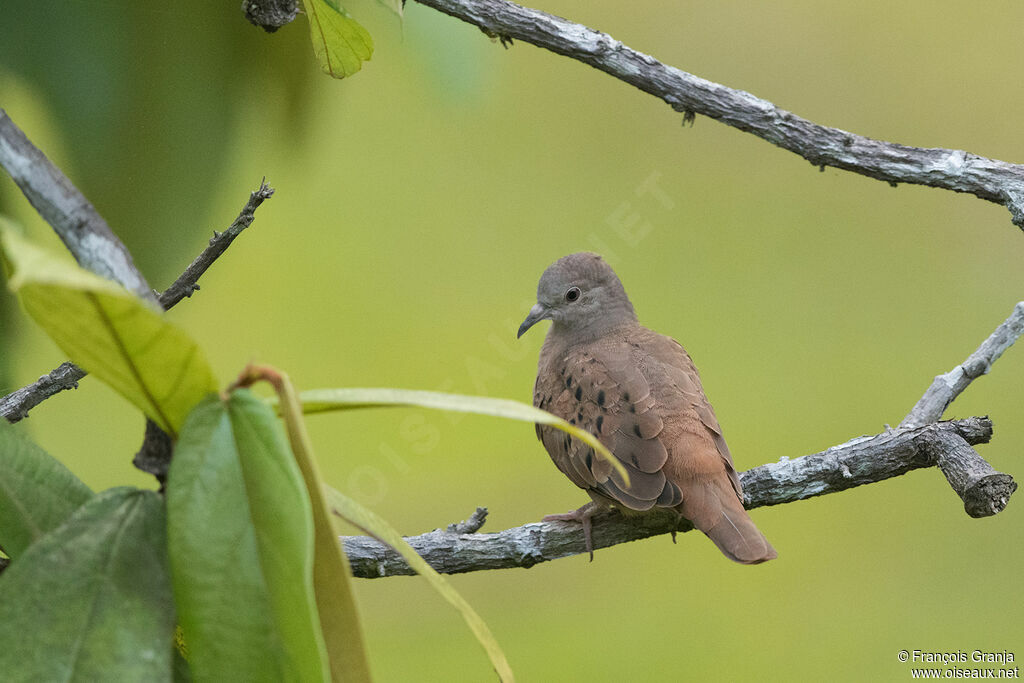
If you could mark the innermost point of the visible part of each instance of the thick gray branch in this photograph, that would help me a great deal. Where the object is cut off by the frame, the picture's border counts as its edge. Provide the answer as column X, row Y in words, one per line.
column 947, row 387
column 991, row 179
column 984, row 490
column 86, row 235
column 864, row 460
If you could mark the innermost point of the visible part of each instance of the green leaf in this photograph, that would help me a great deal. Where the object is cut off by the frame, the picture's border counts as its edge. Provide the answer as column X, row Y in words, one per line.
column 395, row 6
column 369, row 522
column 37, row 493
column 332, row 576
column 240, row 533
column 110, row 333
column 340, row 43
column 91, row 601
column 323, row 400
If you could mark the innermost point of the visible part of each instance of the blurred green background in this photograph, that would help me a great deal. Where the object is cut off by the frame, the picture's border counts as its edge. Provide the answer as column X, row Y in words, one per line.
column 417, row 204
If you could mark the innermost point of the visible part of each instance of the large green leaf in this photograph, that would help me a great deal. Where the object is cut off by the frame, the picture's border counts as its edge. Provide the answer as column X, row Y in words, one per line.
column 332, row 576
column 37, row 493
column 369, row 522
column 240, row 533
column 341, row 44
column 110, row 333
column 91, row 601
column 323, row 400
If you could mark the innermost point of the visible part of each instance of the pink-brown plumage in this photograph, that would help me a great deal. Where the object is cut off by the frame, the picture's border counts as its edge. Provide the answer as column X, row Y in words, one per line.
column 640, row 394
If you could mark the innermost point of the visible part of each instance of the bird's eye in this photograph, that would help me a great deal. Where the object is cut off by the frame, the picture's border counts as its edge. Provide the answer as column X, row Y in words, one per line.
column 572, row 294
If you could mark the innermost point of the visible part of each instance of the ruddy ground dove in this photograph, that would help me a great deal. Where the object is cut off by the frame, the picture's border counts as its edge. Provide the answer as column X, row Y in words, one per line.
column 639, row 393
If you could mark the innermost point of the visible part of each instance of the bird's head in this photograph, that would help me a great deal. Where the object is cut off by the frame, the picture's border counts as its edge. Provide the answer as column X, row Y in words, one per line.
column 582, row 297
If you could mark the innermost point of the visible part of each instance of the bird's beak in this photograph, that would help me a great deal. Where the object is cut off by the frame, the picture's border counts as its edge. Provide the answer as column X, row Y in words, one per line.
column 537, row 313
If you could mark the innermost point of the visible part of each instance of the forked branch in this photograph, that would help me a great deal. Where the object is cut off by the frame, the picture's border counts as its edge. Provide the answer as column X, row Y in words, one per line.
column 864, row 460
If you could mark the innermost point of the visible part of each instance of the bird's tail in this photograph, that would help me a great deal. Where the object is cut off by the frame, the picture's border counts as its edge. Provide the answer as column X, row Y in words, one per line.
column 715, row 509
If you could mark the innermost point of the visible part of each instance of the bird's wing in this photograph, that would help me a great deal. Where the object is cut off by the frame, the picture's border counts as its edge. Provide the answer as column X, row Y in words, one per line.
column 601, row 387
column 692, row 421
column 698, row 460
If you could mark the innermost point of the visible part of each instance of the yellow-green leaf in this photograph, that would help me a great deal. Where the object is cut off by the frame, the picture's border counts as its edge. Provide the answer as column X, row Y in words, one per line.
column 332, row 576
column 323, row 400
column 110, row 333
column 369, row 522
column 341, row 44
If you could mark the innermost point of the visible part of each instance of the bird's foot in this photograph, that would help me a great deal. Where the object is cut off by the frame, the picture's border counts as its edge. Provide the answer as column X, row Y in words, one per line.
column 679, row 518
column 581, row 515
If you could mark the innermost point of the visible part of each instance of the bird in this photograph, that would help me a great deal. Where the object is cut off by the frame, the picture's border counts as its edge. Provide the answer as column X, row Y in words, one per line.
column 639, row 393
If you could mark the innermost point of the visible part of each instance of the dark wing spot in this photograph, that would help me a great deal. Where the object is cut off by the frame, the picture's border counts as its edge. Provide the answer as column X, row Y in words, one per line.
column 589, row 458
column 568, row 441
column 636, row 430
column 625, row 396
column 600, row 398
column 572, row 420
column 579, row 416
column 632, row 408
column 568, row 382
column 600, row 421
column 635, row 462
column 579, row 392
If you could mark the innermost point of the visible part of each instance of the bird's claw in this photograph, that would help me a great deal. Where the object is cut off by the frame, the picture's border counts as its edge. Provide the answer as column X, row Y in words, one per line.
column 582, row 515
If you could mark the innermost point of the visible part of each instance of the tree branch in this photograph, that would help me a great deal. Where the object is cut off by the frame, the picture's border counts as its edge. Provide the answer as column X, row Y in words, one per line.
column 83, row 231
column 188, row 281
column 956, row 170
column 270, row 15
column 15, row 405
column 864, row 460
column 945, row 388
column 984, row 490
column 94, row 246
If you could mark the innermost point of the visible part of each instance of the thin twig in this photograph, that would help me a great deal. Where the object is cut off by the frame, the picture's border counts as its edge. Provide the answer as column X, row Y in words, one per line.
column 864, row 460
column 945, row 388
column 471, row 525
column 956, row 170
column 16, row 405
column 188, row 281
